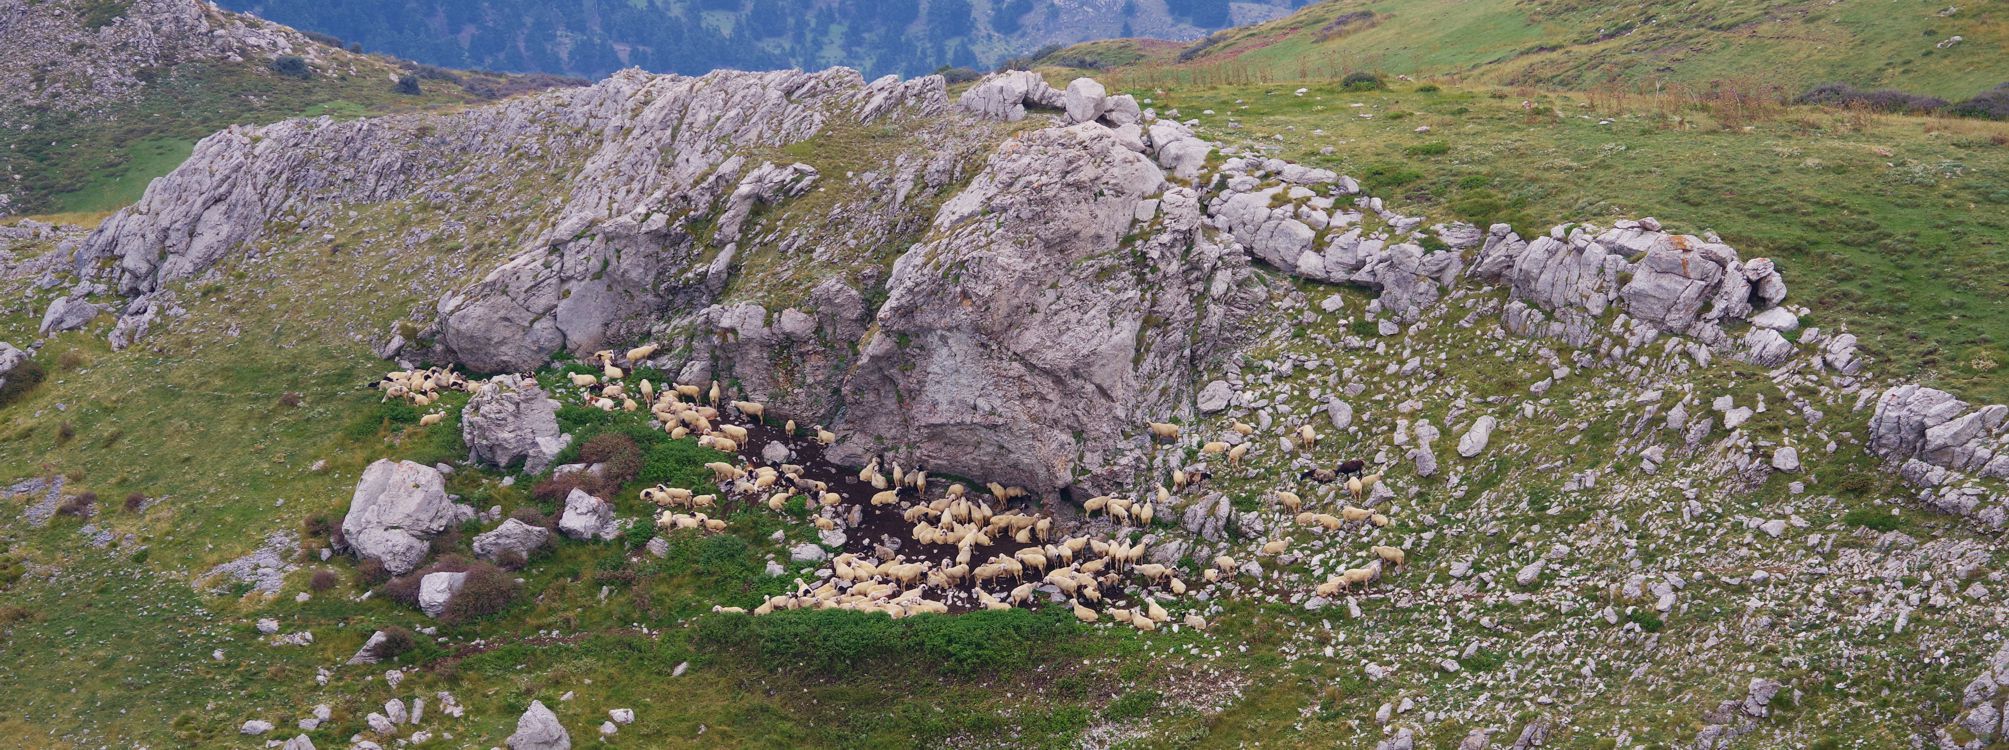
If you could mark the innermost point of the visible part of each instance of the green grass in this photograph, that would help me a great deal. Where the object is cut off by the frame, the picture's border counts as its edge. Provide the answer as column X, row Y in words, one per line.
column 1787, row 45
column 121, row 185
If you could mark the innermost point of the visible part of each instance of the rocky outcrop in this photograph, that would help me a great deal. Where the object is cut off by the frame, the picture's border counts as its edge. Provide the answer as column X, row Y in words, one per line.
column 55, row 60
column 510, row 421
column 397, row 508
column 1955, row 453
column 1678, row 283
column 1031, row 339
column 1006, row 96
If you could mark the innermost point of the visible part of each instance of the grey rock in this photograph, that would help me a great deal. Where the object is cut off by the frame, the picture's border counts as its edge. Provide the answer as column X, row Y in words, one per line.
column 538, row 729
column 1085, row 100
column 1786, row 458
column 808, row 553
column 68, row 313
column 1475, row 439
column 1759, row 697
column 299, row 742
column 1005, row 96
column 510, row 421
column 512, row 536
column 776, row 452
column 1215, row 397
column 397, row 508
column 587, row 517
column 436, row 589
column 255, row 727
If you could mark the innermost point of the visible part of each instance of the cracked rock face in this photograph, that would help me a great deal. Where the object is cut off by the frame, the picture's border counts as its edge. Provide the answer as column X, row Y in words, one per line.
column 1027, row 341
column 397, row 508
column 511, row 421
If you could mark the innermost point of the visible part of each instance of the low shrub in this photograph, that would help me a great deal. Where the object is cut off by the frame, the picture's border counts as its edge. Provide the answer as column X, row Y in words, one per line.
column 1361, row 80
column 323, row 580
column 134, row 502
column 1992, row 104
column 1876, row 519
column 80, row 505
column 486, row 591
column 1877, row 100
column 397, row 642
column 370, row 572
column 292, row 66
column 837, row 641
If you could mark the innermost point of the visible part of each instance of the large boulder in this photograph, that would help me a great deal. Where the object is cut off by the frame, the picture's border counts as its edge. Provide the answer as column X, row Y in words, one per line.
column 397, row 508
column 436, row 589
column 587, row 517
column 1913, row 421
column 67, row 313
column 512, row 536
column 1085, row 99
column 1024, row 342
column 510, row 421
column 538, row 729
column 1005, row 96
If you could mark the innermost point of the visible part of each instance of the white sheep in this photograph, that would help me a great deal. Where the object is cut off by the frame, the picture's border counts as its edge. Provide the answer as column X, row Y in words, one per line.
column 1164, row 430
column 637, row 354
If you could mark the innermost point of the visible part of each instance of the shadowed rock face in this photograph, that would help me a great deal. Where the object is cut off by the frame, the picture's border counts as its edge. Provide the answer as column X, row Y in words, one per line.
column 1030, row 338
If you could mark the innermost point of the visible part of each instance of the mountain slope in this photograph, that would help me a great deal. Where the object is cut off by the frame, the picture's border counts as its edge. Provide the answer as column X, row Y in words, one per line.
column 909, row 37
column 98, row 97
column 1950, row 51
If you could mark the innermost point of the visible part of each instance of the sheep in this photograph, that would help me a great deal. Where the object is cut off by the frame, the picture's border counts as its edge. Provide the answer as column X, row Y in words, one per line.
column 1177, row 587
column 1351, row 468
column 1156, row 612
column 712, row 396
column 1289, row 500
column 1327, row 521
column 637, row 354
column 1144, row 513
column 725, row 445
column 728, row 610
column 825, row 437
column 1276, row 547
column 789, row 428
column 1093, row 504
column 583, row 380
column 431, row 419
column 778, row 501
column 1378, row 520
column 1084, row 614
column 1243, row 428
column 887, row 497
column 1195, row 621
column 1235, row 454
column 1307, row 437
column 1353, row 487
column 687, row 391
column 1216, row 446
column 647, row 389
column 611, row 372
column 1225, row 564
column 1352, row 577
column 1153, row 571
column 736, row 432
column 1210, row 575
column 724, row 471
column 1164, row 430
column 1391, row 555
column 751, row 410
column 1354, row 515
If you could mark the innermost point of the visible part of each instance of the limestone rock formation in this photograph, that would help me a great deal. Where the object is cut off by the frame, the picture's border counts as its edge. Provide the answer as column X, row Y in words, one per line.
column 513, row 536
column 587, row 517
column 511, row 421
column 397, row 508
column 538, row 729
column 1030, row 339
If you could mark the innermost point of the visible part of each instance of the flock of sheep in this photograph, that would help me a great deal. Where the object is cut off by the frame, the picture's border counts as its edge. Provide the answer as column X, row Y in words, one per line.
column 969, row 549
column 421, row 388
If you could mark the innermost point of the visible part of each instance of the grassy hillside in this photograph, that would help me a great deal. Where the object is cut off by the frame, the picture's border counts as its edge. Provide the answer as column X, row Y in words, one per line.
column 1787, row 44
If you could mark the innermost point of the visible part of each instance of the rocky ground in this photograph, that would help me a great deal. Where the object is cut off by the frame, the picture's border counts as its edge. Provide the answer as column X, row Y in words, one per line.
column 1641, row 500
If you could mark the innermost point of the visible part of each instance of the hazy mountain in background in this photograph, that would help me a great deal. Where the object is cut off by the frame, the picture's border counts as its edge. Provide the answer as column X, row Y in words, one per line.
column 590, row 38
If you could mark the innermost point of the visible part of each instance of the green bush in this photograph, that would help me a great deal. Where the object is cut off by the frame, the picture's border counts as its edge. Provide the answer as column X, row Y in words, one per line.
column 486, row 591
column 1647, row 620
column 407, row 85
column 1362, row 81
column 23, row 379
column 1872, row 518
column 292, row 66
column 1433, row 148
column 1428, row 88
column 1132, row 705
